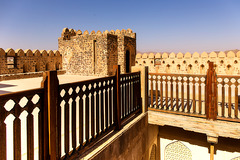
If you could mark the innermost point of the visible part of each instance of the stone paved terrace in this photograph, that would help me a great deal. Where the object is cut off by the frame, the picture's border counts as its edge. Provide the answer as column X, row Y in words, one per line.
column 211, row 128
column 31, row 83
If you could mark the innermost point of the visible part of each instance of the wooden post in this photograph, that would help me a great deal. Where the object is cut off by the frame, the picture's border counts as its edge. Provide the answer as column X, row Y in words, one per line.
column 211, row 93
column 116, row 68
column 50, row 83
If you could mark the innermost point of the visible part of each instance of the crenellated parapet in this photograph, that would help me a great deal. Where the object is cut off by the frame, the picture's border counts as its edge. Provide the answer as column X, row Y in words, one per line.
column 225, row 62
column 68, row 33
column 22, row 61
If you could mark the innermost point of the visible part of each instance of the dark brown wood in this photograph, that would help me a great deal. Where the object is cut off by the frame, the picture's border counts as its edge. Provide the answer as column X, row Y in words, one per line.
column 122, row 100
column 182, row 94
column 40, row 132
column 166, row 93
column 30, row 138
column 223, row 98
column 74, row 120
column 66, row 127
column 81, row 121
column 211, row 89
column 118, row 100
column 188, row 95
column 102, row 112
column 17, row 138
column 97, row 112
column 92, row 116
column 229, row 99
column 110, row 105
column 156, row 89
column 151, row 91
column 106, row 107
column 53, row 93
column 177, row 100
column 87, row 118
column 171, row 91
column 127, row 96
column 194, row 96
column 45, row 127
column 161, row 93
column 236, row 99
column 200, row 96
column 3, row 141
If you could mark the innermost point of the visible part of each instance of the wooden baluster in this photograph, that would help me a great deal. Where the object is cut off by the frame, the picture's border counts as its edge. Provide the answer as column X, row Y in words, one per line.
column 92, row 114
column 87, row 116
column 110, row 103
column 229, row 99
column 97, row 110
column 161, row 93
column 223, row 98
column 156, row 88
column 151, row 80
column 194, row 96
column 122, row 99
column 171, row 91
column 236, row 98
column 134, row 94
column 106, row 107
column 81, row 120
column 188, row 95
column 74, row 119
column 3, row 141
column 177, row 103
column 166, row 92
column 66, row 128
column 102, row 111
column 117, row 98
column 17, row 138
column 127, row 95
column 30, row 138
column 40, row 132
column 200, row 96
column 182, row 94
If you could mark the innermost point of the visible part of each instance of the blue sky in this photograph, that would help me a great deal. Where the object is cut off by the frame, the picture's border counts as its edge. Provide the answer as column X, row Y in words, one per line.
column 161, row 26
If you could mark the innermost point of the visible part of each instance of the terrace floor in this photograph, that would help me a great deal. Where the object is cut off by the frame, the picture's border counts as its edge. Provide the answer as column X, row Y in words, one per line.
column 211, row 128
column 31, row 83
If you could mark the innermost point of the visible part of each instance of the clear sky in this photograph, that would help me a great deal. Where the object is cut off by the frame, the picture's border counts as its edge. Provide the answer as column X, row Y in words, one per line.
column 161, row 25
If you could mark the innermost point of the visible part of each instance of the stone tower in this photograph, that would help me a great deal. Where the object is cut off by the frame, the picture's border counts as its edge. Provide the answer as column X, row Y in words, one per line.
column 96, row 53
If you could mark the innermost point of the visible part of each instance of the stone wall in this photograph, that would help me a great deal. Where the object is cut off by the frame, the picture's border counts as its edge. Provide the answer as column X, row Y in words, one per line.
column 133, row 142
column 225, row 62
column 96, row 53
column 19, row 61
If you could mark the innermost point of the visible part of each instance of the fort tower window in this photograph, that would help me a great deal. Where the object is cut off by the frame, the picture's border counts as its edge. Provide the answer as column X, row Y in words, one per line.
column 10, row 62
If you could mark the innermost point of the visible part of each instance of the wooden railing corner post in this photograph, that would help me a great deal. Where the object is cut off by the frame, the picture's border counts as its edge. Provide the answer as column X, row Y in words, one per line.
column 211, row 93
column 50, row 84
column 116, row 68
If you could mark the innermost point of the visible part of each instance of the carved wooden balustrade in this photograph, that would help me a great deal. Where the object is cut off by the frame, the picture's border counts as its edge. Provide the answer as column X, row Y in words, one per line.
column 15, row 108
column 70, row 117
column 211, row 96
column 177, row 93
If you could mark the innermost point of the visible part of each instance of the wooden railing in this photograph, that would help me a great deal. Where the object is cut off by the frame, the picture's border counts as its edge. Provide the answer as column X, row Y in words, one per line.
column 70, row 118
column 15, row 108
column 130, row 94
column 228, row 97
column 177, row 93
column 195, row 95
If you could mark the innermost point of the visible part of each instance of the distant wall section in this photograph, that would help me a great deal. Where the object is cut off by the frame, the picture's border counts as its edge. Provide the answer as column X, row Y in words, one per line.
column 225, row 62
column 19, row 61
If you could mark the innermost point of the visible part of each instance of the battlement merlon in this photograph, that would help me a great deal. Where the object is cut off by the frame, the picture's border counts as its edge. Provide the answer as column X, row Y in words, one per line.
column 68, row 33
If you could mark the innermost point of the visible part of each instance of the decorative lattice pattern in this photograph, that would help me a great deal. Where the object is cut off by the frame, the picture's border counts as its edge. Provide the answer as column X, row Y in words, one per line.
column 177, row 151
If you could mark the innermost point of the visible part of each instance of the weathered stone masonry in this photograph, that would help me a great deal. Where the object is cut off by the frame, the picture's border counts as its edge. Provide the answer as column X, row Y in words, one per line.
column 96, row 53
column 19, row 61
